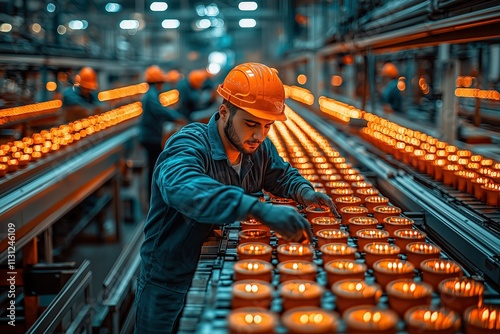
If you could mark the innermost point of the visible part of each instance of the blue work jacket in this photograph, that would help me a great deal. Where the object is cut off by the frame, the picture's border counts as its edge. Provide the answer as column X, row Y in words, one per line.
column 154, row 114
column 195, row 187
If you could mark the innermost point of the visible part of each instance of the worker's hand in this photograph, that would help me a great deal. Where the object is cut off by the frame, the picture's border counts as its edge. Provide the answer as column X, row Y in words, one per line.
column 283, row 219
column 311, row 197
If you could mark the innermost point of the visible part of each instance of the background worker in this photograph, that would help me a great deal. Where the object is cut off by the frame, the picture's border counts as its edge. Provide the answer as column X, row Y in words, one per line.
column 212, row 174
column 80, row 100
column 196, row 93
column 154, row 115
column 391, row 95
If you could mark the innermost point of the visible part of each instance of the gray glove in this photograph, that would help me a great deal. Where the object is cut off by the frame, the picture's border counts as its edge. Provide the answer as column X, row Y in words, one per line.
column 309, row 197
column 283, row 219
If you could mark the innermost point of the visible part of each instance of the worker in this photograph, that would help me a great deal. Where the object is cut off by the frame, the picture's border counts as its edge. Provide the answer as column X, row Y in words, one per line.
column 391, row 98
column 196, row 93
column 80, row 100
column 212, row 174
column 154, row 115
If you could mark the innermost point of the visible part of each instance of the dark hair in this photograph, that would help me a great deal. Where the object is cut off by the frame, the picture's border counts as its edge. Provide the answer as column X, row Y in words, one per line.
column 232, row 108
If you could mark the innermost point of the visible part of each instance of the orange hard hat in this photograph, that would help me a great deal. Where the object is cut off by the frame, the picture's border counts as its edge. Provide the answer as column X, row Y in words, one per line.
column 154, row 74
column 87, row 78
column 172, row 76
column 196, row 78
column 257, row 89
column 390, row 70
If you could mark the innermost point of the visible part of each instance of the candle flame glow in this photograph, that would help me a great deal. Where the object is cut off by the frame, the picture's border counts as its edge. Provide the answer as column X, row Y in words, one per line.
column 251, row 288
column 255, row 319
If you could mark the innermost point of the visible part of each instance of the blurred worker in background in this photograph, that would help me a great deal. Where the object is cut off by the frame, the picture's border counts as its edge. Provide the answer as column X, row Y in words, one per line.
column 154, row 115
column 196, row 93
column 391, row 98
column 212, row 174
column 80, row 100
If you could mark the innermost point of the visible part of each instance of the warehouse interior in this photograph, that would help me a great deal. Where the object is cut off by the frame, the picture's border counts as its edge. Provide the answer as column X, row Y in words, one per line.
column 74, row 197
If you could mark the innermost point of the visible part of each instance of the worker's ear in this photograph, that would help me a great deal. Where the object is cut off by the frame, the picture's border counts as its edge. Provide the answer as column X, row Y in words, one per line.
column 223, row 112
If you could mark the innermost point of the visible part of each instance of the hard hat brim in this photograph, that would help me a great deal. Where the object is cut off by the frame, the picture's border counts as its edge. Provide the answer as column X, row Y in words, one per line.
column 265, row 115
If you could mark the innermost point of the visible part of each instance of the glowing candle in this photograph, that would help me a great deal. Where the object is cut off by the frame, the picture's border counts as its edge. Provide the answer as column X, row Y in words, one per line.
column 460, row 293
column 404, row 293
column 482, row 320
column 253, row 224
column 416, row 252
column 449, row 177
column 253, row 270
column 380, row 250
column 251, row 293
column 251, row 320
column 295, row 251
column 352, row 292
column 3, row 169
column 327, row 236
column 254, row 235
column 344, row 201
column 361, row 223
column 388, row 270
column 366, row 236
column 492, row 191
column 323, row 223
column 436, row 270
column 296, row 293
column 308, row 320
column 330, row 178
column 438, row 166
column 353, row 178
column 337, row 270
column 313, row 211
column 255, row 250
column 383, row 211
column 363, row 193
column 349, row 212
column 283, row 201
column 373, row 201
column 464, row 177
column 370, row 319
column 477, row 187
column 340, row 192
column 403, row 237
column 337, row 251
column 393, row 223
column 426, row 320
column 293, row 270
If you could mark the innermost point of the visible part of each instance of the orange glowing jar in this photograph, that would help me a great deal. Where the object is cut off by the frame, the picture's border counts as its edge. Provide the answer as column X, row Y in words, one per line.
column 254, row 250
column 436, row 270
column 393, row 223
column 428, row 320
column 337, row 251
column 361, row 223
column 253, row 270
column 370, row 320
column 353, row 292
column 310, row 320
column 297, row 293
column 482, row 320
column 404, row 237
column 383, row 211
column 373, row 201
column 388, row 270
column 492, row 193
column 254, row 235
column 458, row 294
column 295, row 251
column 338, row 270
column 366, row 236
column 416, row 252
column 380, row 250
column 251, row 293
column 323, row 223
column 293, row 270
column 253, row 224
column 251, row 320
column 340, row 192
column 404, row 294
column 343, row 201
column 327, row 236
column 349, row 212
column 313, row 211
column 363, row 193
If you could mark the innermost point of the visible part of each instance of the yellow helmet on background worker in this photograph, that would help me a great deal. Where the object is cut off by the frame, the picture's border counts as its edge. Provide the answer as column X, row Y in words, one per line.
column 196, row 78
column 257, row 89
column 390, row 70
column 154, row 74
column 87, row 78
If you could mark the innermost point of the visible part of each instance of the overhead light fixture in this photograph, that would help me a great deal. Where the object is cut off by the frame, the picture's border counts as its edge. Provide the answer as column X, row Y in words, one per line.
column 247, row 5
column 170, row 24
column 112, row 7
column 51, row 7
column 61, row 30
column 5, row 27
column 158, row 6
column 78, row 24
column 129, row 24
column 213, row 68
column 203, row 24
column 212, row 10
column 247, row 23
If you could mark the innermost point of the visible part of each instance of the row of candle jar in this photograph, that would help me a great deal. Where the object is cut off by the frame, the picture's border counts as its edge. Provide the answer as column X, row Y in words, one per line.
column 356, row 302
column 20, row 153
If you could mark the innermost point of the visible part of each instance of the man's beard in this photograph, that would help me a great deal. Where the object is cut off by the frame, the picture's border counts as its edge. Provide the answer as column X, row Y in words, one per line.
column 233, row 138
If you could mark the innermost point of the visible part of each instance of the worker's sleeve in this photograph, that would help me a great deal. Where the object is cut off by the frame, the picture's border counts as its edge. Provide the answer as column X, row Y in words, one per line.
column 281, row 179
column 162, row 113
column 185, row 186
column 70, row 99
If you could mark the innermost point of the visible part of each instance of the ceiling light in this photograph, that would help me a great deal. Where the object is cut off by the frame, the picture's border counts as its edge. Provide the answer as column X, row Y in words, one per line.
column 247, row 5
column 51, row 7
column 5, row 27
column 158, row 6
column 203, row 24
column 61, row 30
column 213, row 68
column 129, row 24
column 170, row 24
column 247, row 23
column 112, row 7
column 212, row 10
